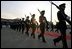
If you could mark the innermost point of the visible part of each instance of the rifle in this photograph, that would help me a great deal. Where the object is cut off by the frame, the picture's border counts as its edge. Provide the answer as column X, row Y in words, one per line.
column 54, row 4
column 25, row 15
column 39, row 11
column 31, row 14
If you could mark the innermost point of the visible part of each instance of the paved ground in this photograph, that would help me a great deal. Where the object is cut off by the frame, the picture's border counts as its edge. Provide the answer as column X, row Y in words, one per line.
column 14, row 39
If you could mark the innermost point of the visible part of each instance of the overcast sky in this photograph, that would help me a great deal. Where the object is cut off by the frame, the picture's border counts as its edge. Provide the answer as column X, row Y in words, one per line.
column 18, row 9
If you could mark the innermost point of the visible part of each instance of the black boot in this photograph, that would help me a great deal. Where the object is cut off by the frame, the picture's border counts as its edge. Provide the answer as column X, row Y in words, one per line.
column 33, row 36
column 54, row 42
column 43, row 39
column 39, row 36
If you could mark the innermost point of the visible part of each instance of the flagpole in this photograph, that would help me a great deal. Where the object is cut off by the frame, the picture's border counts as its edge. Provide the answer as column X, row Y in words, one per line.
column 51, row 12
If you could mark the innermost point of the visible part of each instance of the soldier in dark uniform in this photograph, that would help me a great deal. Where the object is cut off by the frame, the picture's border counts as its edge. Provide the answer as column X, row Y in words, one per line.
column 42, row 25
column 46, row 23
column 20, row 25
column 14, row 25
column 17, row 25
column 33, row 25
column 11, row 25
column 23, row 25
column 62, row 17
column 27, row 22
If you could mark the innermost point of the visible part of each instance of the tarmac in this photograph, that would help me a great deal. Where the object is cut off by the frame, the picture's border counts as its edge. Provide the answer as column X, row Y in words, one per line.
column 14, row 39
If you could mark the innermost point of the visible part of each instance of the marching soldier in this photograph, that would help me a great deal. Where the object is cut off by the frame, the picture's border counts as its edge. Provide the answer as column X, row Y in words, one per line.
column 62, row 17
column 23, row 25
column 42, row 25
column 33, row 25
column 27, row 22
column 20, row 25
